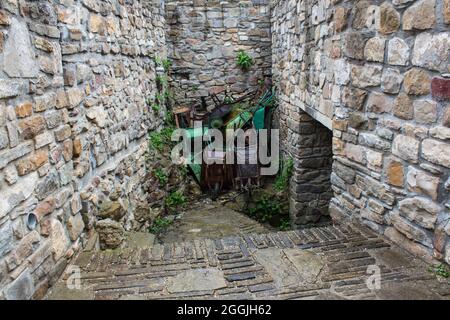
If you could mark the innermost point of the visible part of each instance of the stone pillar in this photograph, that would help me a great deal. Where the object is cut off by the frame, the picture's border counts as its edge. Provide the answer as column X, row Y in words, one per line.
column 310, row 185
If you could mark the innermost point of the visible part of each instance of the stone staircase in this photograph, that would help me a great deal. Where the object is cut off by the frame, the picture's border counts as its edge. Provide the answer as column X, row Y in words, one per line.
column 331, row 262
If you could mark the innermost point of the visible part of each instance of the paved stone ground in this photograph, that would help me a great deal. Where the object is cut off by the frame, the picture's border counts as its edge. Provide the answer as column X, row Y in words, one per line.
column 320, row 263
column 211, row 221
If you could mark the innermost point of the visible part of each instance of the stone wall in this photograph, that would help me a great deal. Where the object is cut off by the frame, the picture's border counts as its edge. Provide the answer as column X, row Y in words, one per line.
column 204, row 38
column 74, row 79
column 376, row 73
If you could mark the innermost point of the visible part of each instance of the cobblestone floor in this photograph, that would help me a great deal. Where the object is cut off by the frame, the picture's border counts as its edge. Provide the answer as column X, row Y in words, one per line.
column 211, row 221
column 319, row 263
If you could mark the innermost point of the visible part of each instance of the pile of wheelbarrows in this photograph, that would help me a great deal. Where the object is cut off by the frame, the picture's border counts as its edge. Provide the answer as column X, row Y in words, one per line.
column 223, row 111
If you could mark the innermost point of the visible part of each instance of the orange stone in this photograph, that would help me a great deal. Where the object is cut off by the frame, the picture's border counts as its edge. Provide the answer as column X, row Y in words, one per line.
column 77, row 147
column 31, row 163
column 338, row 147
column 24, row 110
column 31, row 127
column 4, row 19
column 395, row 173
column 45, row 207
column 40, row 158
column 68, row 150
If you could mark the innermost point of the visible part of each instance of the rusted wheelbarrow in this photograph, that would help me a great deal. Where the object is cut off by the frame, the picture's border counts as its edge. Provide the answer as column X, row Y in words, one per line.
column 247, row 167
column 216, row 174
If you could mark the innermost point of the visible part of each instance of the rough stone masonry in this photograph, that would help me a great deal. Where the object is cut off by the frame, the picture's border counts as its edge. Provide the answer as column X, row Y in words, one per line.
column 376, row 74
column 74, row 79
column 364, row 89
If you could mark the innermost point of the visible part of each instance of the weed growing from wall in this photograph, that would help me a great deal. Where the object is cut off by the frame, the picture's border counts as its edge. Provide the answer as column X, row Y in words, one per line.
column 244, row 61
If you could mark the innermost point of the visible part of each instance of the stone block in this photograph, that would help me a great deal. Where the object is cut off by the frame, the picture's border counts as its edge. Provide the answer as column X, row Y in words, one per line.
column 62, row 133
column 389, row 19
column 391, row 80
column 417, row 82
column 31, row 127
column 32, row 162
column 374, row 49
column 18, row 56
column 379, row 103
column 366, row 76
column 21, row 288
column 395, row 173
column 420, row 210
column 10, row 155
column 398, row 52
column 440, row 89
column 59, row 239
column 111, row 233
column 411, row 231
column 420, row 16
column 425, row 111
column 406, row 148
column 420, row 182
column 11, row 88
column 431, row 51
column 403, row 107
column 75, row 226
column 436, row 152
column 24, row 109
column 354, row 98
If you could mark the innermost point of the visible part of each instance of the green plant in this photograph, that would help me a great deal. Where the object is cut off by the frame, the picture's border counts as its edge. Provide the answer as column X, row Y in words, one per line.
column 441, row 270
column 285, row 224
column 161, row 80
column 195, row 87
column 265, row 208
column 159, row 98
column 159, row 140
column 156, row 141
column 169, row 118
column 159, row 225
column 166, row 134
column 228, row 100
column 244, row 61
column 282, row 180
column 157, row 60
column 156, row 107
column 166, row 63
column 161, row 176
column 175, row 199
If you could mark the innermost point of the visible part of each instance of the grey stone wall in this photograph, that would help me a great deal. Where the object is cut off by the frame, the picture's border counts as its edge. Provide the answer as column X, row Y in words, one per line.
column 74, row 79
column 311, row 185
column 377, row 74
column 204, row 38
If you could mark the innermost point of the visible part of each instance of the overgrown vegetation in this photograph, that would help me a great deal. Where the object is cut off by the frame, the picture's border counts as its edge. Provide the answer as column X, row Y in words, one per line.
column 285, row 224
column 282, row 180
column 265, row 208
column 244, row 61
column 161, row 80
column 159, row 225
column 161, row 140
column 271, row 204
column 166, row 63
column 161, row 176
column 175, row 200
column 440, row 270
